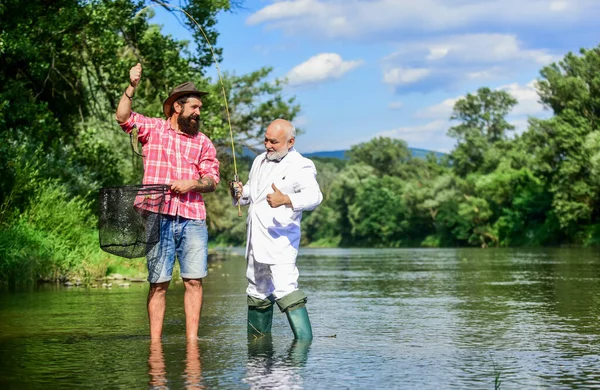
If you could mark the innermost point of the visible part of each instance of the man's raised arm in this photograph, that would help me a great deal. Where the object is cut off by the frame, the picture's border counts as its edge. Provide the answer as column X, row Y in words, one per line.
column 124, row 107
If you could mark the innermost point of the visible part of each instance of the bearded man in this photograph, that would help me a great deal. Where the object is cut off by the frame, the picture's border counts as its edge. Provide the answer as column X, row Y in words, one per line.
column 177, row 154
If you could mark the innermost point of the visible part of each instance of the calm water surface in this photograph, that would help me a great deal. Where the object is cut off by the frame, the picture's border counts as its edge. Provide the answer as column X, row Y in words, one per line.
column 414, row 319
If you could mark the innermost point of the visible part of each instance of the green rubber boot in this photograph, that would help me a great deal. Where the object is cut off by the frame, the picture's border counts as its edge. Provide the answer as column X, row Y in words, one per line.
column 294, row 306
column 300, row 323
column 260, row 316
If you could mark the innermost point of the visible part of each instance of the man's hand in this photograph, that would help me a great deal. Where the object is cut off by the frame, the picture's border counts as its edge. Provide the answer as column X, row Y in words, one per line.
column 135, row 74
column 278, row 198
column 235, row 189
column 206, row 184
column 183, row 186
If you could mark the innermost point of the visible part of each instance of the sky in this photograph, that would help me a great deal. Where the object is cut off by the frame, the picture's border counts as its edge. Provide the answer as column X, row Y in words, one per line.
column 361, row 69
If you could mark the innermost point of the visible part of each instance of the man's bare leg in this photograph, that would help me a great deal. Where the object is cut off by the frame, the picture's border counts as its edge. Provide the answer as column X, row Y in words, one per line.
column 156, row 308
column 193, row 306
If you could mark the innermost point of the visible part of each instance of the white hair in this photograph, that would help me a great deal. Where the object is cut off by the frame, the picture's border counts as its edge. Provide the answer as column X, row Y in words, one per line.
column 291, row 131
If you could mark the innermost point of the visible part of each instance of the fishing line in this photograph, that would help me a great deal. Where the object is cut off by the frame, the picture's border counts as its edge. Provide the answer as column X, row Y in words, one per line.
column 235, row 172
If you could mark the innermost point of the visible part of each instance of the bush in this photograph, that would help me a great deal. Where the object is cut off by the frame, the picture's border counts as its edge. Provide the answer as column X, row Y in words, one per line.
column 54, row 238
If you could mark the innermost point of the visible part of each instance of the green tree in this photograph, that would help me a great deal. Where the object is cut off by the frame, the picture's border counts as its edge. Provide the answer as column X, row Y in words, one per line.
column 433, row 201
column 482, row 118
column 563, row 146
column 520, row 204
column 389, row 156
column 343, row 194
column 378, row 215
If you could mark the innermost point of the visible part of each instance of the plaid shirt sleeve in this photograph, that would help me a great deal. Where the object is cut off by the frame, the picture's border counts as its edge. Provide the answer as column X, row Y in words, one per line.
column 144, row 125
column 209, row 165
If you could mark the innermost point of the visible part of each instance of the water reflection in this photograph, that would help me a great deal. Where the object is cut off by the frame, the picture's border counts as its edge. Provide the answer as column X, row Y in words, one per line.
column 157, row 368
column 298, row 353
column 266, row 369
column 193, row 367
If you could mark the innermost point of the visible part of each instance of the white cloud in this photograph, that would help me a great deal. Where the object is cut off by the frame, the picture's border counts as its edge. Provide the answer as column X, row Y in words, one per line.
column 444, row 62
column 527, row 96
column 441, row 110
column 320, row 68
column 301, row 121
column 431, row 135
column 520, row 124
column 485, row 74
column 437, row 52
column 395, row 105
column 470, row 48
column 287, row 10
column 558, row 6
column 361, row 18
column 399, row 76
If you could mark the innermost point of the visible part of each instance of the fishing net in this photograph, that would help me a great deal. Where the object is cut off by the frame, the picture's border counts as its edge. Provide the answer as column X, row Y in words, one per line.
column 129, row 219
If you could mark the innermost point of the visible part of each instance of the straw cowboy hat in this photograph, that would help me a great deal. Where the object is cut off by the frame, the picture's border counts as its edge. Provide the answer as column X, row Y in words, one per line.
column 177, row 92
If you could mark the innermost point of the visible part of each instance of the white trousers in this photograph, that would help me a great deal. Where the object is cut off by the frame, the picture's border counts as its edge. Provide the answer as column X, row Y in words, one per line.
column 270, row 279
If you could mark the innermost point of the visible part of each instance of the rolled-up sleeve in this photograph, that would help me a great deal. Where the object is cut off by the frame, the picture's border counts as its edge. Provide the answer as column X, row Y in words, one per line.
column 128, row 125
column 209, row 164
column 307, row 194
column 143, row 124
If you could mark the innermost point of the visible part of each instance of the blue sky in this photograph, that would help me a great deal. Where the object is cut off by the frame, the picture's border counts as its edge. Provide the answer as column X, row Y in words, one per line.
column 367, row 68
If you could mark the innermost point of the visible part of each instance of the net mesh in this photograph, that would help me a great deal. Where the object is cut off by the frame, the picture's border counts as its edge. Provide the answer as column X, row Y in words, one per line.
column 129, row 219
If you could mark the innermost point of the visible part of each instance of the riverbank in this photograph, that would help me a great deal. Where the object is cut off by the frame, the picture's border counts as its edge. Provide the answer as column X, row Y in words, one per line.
column 98, row 269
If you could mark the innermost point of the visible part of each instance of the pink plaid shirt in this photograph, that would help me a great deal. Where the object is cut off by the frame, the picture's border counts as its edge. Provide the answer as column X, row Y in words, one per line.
column 170, row 156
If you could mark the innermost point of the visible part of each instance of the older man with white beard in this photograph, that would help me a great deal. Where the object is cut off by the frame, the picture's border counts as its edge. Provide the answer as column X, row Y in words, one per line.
column 280, row 186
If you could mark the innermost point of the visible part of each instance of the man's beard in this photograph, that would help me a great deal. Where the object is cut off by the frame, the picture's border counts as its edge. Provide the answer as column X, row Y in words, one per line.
column 188, row 126
column 277, row 156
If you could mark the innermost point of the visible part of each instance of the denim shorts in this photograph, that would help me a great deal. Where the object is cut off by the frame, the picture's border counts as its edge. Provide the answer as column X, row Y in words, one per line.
column 185, row 238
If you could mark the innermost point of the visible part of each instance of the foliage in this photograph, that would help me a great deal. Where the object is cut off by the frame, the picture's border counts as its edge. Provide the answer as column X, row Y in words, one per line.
column 388, row 156
column 378, row 215
column 565, row 145
column 54, row 237
column 482, row 124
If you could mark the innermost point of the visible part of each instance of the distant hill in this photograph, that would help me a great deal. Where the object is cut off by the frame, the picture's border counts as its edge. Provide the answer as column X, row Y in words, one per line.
column 341, row 154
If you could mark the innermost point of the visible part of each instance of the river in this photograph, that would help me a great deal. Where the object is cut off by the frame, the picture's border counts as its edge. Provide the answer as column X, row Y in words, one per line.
column 382, row 319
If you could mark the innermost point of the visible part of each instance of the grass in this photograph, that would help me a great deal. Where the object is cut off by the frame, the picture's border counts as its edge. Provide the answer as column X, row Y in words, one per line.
column 497, row 381
column 55, row 238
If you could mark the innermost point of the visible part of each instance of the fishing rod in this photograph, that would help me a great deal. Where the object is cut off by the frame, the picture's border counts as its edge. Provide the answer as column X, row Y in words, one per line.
column 235, row 172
